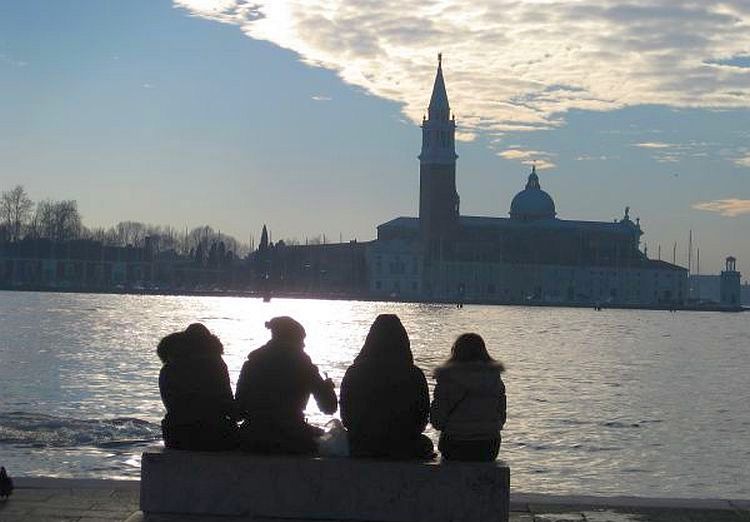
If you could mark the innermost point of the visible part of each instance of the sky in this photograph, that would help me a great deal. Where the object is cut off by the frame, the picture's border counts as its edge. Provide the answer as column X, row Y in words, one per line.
column 304, row 114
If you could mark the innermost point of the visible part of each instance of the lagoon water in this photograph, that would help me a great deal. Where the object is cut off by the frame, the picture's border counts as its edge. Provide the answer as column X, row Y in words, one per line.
column 629, row 402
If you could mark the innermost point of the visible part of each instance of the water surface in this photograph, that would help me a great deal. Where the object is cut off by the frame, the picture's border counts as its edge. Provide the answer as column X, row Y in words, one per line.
column 627, row 402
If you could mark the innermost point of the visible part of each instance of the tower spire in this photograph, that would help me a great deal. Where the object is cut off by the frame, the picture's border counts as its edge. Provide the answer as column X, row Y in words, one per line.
column 438, row 199
column 439, row 108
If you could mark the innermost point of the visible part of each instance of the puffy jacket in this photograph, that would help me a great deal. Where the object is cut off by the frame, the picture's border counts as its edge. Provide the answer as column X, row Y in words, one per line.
column 469, row 400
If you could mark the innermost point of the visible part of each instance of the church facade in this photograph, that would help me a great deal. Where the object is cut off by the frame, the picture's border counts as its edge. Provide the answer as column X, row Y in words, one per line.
column 531, row 256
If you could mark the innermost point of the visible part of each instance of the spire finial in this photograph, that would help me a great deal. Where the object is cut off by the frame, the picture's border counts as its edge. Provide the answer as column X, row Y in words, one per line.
column 440, row 59
column 533, row 182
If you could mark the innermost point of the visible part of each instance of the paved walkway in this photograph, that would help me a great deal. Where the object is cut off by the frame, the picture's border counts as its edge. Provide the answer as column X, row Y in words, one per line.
column 80, row 500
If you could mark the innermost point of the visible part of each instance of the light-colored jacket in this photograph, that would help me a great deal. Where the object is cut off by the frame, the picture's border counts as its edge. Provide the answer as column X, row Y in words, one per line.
column 469, row 400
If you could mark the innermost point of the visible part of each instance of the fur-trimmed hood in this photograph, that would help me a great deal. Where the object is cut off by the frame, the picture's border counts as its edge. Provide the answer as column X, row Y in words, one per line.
column 471, row 375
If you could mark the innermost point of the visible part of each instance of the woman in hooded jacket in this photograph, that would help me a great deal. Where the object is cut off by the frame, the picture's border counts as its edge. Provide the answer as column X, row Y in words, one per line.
column 469, row 405
column 195, row 390
column 384, row 397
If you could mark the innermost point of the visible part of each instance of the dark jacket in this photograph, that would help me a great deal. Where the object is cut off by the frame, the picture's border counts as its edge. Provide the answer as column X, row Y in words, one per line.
column 469, row 400
column 384, row 398
column 196, row 392
column 385, row 407
column 275, row 384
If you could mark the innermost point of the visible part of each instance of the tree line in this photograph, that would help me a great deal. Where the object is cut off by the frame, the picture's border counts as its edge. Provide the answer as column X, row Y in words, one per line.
column 22, row 218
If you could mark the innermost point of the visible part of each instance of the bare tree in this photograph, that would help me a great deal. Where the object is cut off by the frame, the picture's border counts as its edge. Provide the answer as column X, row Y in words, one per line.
column 131, row 233
column 15, row 210
column 57, row 220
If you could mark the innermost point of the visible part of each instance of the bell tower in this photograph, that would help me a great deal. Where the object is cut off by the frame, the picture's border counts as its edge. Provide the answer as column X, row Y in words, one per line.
column 438, row 199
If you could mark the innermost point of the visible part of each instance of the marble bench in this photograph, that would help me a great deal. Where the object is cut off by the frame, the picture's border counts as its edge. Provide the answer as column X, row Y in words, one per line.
column 183, row 485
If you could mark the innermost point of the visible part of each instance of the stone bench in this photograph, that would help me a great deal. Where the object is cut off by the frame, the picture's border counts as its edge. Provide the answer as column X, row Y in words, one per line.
column 181, row 485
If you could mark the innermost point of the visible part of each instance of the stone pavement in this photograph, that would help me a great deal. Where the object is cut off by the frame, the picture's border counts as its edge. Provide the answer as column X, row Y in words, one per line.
column 81, row 500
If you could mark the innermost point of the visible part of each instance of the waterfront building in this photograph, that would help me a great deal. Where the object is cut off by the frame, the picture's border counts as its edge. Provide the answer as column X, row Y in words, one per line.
column 704, row 288
column 530, row 256
column 730, row 284
column 89, row 265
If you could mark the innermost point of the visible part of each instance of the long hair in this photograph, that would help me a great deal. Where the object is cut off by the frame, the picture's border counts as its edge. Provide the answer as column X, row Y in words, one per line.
column 469, row 347
column 386, row 342
column 202, row 341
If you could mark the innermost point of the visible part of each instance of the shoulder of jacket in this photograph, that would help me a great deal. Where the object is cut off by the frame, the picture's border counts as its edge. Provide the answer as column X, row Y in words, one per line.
column 450, row 368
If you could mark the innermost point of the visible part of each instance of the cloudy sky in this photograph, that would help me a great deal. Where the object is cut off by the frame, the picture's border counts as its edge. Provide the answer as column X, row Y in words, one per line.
column 303, row 114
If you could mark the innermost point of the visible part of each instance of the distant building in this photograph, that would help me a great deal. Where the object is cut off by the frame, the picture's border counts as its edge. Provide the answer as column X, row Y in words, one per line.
column 705, row 288
column 336, row 269
column 745, row 294
column 730, row 284
column 531, row 256
column 89, row 265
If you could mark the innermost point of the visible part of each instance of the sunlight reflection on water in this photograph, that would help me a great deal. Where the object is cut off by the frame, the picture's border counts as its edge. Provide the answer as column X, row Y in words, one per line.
column 613, row 402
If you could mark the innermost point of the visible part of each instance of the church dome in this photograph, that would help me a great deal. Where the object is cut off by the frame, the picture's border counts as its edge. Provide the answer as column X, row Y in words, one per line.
column 532, row 202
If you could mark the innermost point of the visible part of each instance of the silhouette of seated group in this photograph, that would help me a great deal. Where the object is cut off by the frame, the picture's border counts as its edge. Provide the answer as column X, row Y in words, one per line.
column 384, row 398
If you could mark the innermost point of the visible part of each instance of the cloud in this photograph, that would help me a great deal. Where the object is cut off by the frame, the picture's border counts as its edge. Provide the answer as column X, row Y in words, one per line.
column 676, row 152
column 726, row 207
column 510, row 65
column 9, row 60
column 743, row 161
column 529, row 157
column 653, row 145
column 322, row 98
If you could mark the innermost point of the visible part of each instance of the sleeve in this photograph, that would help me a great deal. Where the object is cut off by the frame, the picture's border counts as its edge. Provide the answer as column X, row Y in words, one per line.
column 438, row 407
column 447, row 396
column 423, row 402
column 242, row 395
column 502, row 405
column 164, row 388
column 346, row 401
column 324, row 392
column 227, row 400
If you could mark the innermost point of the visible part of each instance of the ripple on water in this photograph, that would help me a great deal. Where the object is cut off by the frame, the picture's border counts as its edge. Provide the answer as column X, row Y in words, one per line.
column 587, row 398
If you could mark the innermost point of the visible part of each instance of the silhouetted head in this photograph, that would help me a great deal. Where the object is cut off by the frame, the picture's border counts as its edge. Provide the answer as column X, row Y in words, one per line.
column 286, row 330
column 202, row 341
column 170, row 345
column 387, row 342
column 469, row 347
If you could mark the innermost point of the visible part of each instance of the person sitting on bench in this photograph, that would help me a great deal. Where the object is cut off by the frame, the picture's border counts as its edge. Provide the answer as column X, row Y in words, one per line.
column 274, row 386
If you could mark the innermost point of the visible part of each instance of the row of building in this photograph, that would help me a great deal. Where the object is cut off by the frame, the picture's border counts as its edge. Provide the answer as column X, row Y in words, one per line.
column 85, row 264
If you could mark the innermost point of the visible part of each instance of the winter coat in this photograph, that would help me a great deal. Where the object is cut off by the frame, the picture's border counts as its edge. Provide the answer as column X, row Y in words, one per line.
column 196, row 392
column 275, row 384
column 469, row 401
column 385, row 408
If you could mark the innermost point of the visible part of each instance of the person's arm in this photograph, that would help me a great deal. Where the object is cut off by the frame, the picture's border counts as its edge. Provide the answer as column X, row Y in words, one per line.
column 242, row 393
column 502, row 406
column 437, row 408
column 423, row 401
column 229, row 408
column 324, row 392
column 164, row 388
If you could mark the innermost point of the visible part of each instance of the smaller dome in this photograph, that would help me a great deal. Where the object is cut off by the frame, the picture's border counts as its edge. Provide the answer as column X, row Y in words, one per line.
column 532, row 202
